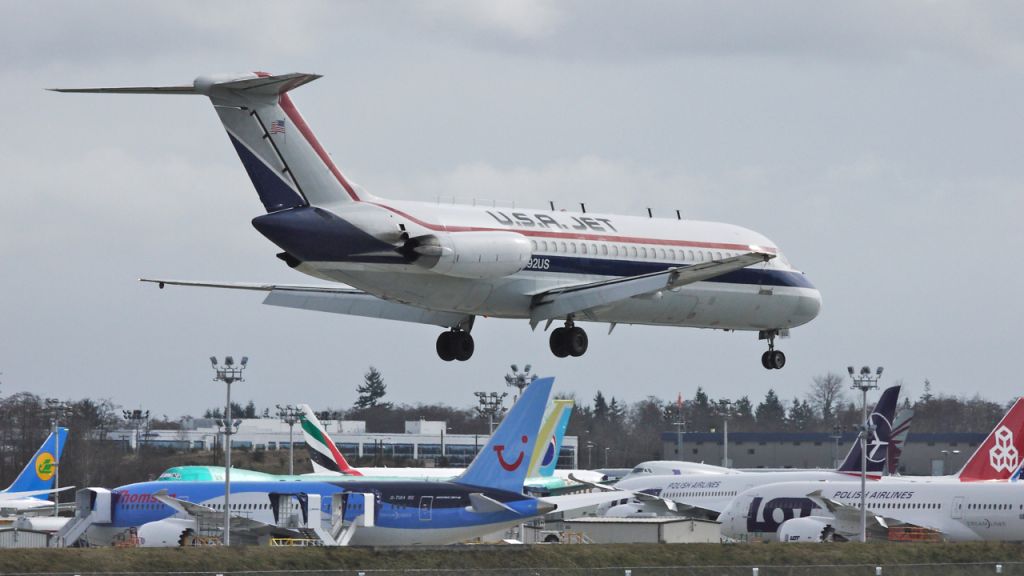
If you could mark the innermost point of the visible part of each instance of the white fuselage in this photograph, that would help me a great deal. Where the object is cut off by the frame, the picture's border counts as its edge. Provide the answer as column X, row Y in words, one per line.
column 571, row 248
column 959, row 510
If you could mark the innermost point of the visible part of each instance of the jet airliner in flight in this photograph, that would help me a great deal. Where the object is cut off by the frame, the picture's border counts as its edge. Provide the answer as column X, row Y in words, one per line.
column 445, row 265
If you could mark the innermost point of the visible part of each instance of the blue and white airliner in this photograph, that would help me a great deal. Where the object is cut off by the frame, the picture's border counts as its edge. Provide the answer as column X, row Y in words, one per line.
column 26, row 494
column 446, row 265
column 486, row 498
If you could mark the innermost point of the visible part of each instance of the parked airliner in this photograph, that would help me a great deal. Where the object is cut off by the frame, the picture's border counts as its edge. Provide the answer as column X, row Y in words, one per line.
column 703, row 494
column 978, row 502
column 446, row 265
column 25, row 494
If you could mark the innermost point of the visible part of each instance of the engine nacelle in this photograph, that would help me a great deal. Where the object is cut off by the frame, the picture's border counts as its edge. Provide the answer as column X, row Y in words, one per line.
column 476, row 255
column 808, row 529
column 166, row 533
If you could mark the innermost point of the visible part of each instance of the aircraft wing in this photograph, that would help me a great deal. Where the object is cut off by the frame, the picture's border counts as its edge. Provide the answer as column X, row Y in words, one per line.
column 30, row 494
column 847, row 515
column 560, row 302
column 207, row 515
column 336, row 300
column 647, row 498
column 568, row 502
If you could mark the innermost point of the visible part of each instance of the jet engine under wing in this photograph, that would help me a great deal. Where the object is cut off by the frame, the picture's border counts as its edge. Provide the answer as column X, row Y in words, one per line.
column 337, row 300
column 560, row 302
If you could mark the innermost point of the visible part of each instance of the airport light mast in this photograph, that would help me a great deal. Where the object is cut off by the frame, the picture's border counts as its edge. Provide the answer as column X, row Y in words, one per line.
column 290, row 415
column 135, row 418
column 228, row 373
column 58, row 411
column 520, row 380
column 491, row 405
column 864, row 381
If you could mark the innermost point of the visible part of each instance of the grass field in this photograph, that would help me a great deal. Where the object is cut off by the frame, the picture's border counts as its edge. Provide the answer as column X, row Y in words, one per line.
column 541, row 560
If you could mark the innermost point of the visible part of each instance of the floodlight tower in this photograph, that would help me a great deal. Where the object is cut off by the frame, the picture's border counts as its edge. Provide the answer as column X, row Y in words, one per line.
column 135, row 418
column 58, row 411
column 228, row 373
column 491, row 405
column 864, row 381
column 520, row 380
column 289, row 415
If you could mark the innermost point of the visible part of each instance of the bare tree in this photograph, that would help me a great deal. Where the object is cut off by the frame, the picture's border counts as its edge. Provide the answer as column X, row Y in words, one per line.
column 826, row 394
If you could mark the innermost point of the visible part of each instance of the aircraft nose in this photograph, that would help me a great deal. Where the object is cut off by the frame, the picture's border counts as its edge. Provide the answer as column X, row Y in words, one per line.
column 808, row 305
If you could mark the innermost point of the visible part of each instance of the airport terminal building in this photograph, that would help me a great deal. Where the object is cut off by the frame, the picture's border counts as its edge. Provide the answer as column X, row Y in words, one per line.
column 424, row 441
column 923, row 454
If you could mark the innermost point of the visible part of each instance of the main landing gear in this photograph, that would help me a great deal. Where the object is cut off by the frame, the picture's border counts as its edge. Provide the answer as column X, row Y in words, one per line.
column 568, row 341
column 455, row 345
column 772, row 359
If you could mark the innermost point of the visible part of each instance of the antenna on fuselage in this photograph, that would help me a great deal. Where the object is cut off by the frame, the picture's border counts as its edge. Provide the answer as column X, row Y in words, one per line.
column 583, row 207
column 552, row 204
column 649, row 213
column 678, row 216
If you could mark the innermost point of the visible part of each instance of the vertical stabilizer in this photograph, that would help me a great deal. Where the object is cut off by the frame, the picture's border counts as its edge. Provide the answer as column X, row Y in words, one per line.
column 284, row 159
column 881, row 419
column 41, row 469
column 503, row 462
column 549, row 440
column 323, row 452
column 999, row 456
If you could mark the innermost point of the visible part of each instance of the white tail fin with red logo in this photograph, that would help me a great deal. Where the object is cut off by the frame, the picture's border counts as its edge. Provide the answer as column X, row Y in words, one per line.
column 999, row 456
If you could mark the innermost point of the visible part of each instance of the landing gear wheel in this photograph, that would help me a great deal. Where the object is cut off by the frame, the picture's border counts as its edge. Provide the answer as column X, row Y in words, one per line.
column 557, row 341
column 444, row 347
column 462, row 346
column 766, row 359
column 576, row 341
column 777, row 360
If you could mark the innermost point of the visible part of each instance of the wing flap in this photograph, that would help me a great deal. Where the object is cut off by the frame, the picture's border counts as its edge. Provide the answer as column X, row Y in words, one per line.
column 561, row 302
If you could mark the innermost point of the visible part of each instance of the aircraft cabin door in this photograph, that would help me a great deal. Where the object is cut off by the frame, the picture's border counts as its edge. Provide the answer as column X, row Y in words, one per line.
column 958, row 508
column 426, row 506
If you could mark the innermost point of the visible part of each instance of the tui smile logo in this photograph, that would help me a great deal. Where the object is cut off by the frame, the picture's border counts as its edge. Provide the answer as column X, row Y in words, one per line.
column 511, row 467
column 45, row 466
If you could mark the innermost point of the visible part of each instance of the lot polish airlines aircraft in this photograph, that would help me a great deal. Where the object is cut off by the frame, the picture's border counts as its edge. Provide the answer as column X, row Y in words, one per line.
column 703, row 494
column 978, row 503
column 446, row 265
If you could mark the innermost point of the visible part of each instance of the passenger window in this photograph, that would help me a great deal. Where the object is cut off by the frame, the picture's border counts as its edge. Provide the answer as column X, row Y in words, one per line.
column 604, row 249
column 632, row 251
column 661, row 253
column 583, row 248
column 572, row 247
column 593, row 249
column 615, row 250
column 563, row 248
column 643, row 252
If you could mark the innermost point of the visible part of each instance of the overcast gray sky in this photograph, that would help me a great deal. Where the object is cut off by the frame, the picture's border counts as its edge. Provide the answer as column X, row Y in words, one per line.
column 877, row 143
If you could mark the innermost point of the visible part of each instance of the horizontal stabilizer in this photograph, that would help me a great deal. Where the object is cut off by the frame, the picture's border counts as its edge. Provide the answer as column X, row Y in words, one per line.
column 483, row 504
column 131, row 90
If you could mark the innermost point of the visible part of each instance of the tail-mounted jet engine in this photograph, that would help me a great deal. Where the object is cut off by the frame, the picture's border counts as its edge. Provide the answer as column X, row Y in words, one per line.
column 475, row 255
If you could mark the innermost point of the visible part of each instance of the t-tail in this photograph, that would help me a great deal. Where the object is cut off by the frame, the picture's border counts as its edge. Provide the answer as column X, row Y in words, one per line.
column 284, row 159
column 999, row 456
column 323, row 452
column 549, row 440
column 503, row 464
column 879, row 439
column 41, row 469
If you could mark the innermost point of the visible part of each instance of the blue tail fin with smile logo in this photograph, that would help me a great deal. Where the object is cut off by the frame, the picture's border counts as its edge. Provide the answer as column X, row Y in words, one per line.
column 504, row 461
column 39, row 472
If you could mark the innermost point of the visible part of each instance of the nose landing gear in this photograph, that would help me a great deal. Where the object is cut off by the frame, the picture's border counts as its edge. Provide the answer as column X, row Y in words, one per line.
column 455, row 345
column 772, row 359
column 568, row 341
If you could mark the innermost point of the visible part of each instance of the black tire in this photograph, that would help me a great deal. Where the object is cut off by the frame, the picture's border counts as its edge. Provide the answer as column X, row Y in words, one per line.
column 462, row 346
column 445, row 350
column 766, row 359
column 557, row 343
column 778, row 359
column 576, row 341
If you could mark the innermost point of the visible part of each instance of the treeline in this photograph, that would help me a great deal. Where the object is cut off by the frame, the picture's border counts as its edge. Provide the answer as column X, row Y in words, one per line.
column 609, row 430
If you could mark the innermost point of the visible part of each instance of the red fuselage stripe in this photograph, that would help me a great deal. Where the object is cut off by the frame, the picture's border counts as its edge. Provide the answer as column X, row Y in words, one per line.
column 574, row 236
column 300, row 123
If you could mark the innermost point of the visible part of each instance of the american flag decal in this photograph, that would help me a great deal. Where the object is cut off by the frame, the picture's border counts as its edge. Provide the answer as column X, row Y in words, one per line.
column 277, row 127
